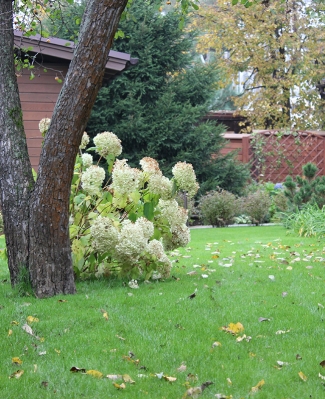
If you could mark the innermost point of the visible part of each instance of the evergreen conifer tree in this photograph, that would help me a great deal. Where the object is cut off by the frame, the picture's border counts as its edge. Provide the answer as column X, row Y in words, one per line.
column 156, row 107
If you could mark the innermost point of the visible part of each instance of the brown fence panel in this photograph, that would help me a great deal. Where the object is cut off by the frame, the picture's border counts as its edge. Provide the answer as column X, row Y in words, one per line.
column 274, row 155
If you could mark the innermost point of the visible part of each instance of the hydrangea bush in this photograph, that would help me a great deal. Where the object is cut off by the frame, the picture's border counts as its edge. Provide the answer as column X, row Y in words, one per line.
column 123, row 219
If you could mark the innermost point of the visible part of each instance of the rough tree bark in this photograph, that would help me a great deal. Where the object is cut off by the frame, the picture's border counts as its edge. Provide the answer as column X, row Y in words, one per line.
column 36, row 217
column 16, row 180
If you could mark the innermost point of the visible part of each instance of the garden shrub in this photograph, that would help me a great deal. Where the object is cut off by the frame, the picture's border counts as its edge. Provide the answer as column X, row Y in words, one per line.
column 218, row 208
column 122, row 219
column 256, row 205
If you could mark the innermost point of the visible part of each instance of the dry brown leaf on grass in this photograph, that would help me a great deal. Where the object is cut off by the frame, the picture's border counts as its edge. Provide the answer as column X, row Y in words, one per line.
column 182, row 368
column 196, row 391
column 169, row 379
column 77, row 370
column 129, row 359
column 17, row 374
column 322, row 363
column 260, row 319
column 29, row 331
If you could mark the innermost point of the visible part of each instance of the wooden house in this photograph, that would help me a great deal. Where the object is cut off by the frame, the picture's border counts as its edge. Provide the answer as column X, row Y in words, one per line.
column 50, row 58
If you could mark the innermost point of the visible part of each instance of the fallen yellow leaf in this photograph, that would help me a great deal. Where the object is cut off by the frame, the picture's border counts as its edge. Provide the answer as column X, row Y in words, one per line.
column 127, row 378
column 233, row 328
column 94, row 373
column 169, row 379
column 16, row 361
column 9, row 333
column 258, row 386
column 31, row 319
column 105, row 315
column 119, row 386
column 302, row 376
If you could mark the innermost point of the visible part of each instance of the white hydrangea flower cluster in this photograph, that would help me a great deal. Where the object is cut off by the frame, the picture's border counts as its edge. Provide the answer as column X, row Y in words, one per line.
column 180, row 238
column 157, row 183
column 125, row 179
column 92, row 179
column 150, row 165
column 146, row 227
column 131, row 242
column 107, row 143
column 84, row 141
column 44, row 125
column 175, row 214
column 185, row 177
column 104, row 234
column 87, row 160
column 177, row 218
column 160, row 185
column 155, row 248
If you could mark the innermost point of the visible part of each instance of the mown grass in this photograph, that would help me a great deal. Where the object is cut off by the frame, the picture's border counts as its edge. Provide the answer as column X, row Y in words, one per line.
column 163, row 328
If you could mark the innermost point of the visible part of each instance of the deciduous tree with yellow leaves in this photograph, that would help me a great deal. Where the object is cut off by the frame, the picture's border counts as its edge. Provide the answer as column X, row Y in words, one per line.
column 280, row 45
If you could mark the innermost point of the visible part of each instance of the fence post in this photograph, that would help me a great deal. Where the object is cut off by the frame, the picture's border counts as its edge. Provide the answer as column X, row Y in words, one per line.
column 245, row 149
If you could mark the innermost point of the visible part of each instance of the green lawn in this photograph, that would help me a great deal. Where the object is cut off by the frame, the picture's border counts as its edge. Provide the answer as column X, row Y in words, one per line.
column 241, row 275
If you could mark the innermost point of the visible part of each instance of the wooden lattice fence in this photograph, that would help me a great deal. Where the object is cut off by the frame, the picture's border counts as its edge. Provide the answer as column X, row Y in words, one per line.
column 273, row 155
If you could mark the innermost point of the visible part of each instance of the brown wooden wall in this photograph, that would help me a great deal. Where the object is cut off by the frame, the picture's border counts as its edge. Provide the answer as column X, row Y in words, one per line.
column 282, row 156
column 38, row 97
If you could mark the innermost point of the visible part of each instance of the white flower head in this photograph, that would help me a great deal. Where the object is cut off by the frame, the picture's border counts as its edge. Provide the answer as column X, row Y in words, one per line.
column 104, row 234
column 185, row 177
column 150, row 166
column 180, row 238
column 131, row 242
column 125, row 179
column 175, row 214
column 84, row 141
column 161, row 185
column 87, row 160
column 146, row 226
column 44, row 125
column 92, row 179
column 107, row 143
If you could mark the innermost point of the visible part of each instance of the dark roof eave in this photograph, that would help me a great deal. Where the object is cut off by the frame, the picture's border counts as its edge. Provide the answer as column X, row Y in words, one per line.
column 64, row 49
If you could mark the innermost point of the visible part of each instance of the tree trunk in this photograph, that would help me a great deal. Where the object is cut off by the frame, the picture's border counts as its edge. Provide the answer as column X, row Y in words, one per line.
column 16, row 179
column 47, row 253
column 50, row 254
